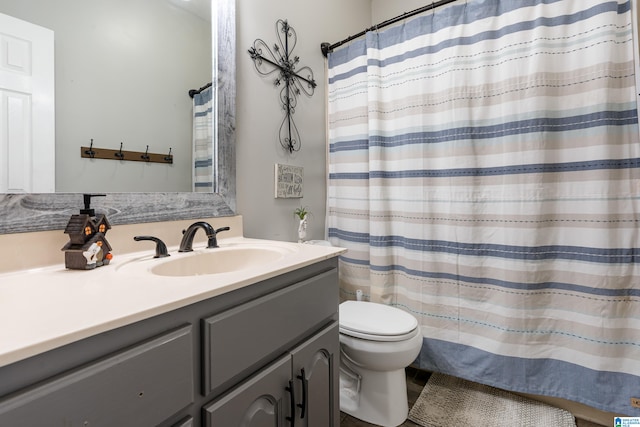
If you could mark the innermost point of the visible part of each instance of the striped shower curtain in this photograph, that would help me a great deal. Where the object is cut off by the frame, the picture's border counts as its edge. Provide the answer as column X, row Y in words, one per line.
column 484, row 174
column 203, row 141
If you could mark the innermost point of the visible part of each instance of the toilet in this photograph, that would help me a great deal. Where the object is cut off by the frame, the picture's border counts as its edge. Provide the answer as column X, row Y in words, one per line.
column 377, row 342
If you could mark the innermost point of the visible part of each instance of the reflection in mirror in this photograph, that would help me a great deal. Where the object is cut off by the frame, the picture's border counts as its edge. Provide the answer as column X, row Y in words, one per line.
column 38, row 212
column 123, row 70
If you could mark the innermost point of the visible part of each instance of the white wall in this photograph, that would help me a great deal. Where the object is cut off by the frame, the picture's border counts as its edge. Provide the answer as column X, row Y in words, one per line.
column 259, row 112
column 381, row 10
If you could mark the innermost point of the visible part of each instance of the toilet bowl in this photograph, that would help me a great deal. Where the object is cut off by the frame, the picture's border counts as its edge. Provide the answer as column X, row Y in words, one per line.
column 377, row 342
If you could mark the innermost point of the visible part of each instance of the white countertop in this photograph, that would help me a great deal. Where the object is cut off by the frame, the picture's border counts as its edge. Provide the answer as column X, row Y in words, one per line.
column 42, row 309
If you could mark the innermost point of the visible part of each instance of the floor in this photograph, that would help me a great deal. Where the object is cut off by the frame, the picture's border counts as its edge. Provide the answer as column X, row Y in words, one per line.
column 416, row 379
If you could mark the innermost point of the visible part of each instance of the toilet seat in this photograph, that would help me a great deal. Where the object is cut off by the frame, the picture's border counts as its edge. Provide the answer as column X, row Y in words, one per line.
column 376, row 322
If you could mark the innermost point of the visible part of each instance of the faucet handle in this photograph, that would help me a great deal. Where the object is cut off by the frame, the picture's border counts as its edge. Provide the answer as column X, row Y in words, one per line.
column 161, row 248
column 213, row 240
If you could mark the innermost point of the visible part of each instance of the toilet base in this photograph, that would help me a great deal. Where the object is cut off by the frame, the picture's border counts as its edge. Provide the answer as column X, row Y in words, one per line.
column 381, row 400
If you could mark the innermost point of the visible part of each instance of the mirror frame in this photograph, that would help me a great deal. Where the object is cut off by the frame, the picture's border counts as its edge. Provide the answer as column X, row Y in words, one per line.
column 40, row 212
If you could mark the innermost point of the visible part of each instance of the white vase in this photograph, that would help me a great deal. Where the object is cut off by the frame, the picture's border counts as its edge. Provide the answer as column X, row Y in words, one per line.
column 302, row 229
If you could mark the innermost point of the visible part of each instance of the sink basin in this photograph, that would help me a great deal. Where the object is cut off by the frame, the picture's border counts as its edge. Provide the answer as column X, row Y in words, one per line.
column 219, row 260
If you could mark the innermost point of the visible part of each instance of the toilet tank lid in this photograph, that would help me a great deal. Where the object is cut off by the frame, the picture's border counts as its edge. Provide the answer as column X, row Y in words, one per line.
column 375, row 319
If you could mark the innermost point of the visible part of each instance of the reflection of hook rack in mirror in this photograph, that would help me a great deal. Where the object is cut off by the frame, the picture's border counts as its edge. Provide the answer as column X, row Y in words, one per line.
column 145, row 156
column 120, row 154
column 90, row 151
column 169, row 157
column 124, row 155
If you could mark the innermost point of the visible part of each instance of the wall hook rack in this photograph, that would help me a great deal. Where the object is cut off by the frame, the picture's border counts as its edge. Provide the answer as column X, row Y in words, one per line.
column 92, row 152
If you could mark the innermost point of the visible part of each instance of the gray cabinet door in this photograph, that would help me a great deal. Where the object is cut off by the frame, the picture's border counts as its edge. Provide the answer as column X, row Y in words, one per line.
column 141, row 386
column 316, row 376
column 261, row 401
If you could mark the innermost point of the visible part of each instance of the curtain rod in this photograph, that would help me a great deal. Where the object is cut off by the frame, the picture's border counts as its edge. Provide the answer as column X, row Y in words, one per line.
column 326, row 47
column 194, row 92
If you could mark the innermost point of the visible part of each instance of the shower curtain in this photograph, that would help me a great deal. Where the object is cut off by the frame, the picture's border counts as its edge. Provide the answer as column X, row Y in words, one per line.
column 203, row 141
column 484, row 173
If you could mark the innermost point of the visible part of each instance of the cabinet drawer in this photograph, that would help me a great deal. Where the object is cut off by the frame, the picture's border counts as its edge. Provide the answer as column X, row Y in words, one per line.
column 143, row 385
column 240, row 340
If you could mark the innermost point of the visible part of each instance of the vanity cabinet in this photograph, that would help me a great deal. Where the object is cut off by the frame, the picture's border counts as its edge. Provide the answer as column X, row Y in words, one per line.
column 298, row 389
column 266, row 354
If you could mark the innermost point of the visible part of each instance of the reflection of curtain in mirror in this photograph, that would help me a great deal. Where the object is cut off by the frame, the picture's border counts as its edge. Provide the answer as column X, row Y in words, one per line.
column 202, row 142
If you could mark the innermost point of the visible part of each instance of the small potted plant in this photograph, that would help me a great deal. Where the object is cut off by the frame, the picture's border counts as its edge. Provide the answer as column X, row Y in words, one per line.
column 301, row 213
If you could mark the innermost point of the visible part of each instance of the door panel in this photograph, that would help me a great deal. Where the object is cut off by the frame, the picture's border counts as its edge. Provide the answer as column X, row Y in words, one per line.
column 27, row 116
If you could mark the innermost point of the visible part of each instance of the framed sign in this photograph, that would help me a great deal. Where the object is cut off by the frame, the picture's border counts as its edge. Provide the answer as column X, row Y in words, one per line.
column 289, row 181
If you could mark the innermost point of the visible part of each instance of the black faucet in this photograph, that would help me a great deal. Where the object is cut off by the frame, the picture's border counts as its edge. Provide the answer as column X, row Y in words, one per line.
column 186, row 245
column 161, row 248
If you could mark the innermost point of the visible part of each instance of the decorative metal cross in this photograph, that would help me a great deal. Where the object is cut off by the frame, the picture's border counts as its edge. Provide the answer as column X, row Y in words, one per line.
column 280, row 61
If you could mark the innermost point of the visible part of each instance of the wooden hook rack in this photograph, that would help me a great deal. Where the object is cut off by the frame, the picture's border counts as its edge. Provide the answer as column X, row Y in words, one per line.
column 92, row 152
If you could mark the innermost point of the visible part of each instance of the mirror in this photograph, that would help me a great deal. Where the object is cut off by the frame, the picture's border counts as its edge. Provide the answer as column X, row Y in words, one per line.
column 123, row 70
column 36, row 212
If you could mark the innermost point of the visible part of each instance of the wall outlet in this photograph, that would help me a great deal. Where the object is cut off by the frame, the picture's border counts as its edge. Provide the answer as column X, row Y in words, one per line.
column 635, row 402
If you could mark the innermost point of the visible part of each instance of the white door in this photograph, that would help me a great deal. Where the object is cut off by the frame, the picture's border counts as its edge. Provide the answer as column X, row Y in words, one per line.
column 27, row 107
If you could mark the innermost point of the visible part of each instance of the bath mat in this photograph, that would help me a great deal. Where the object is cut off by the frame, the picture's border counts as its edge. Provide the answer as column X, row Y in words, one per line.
column 450, row 401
